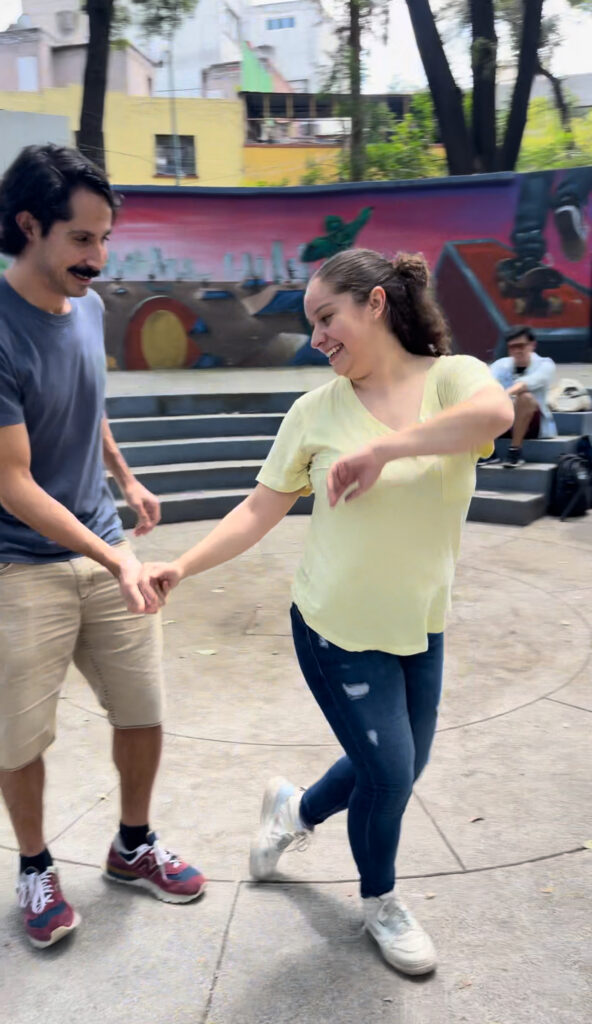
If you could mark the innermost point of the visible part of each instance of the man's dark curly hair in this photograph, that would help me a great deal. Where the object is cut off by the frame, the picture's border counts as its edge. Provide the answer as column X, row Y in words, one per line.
column 41, row 180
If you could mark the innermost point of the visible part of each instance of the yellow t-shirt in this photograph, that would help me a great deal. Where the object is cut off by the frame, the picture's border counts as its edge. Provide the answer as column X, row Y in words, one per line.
column 377, row 572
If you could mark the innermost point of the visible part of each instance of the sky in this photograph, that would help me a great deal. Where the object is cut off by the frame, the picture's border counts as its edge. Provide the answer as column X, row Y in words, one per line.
column 398, row 62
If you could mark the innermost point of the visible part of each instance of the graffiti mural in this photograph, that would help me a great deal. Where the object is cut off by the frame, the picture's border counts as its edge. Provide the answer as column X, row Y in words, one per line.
column 216, row 277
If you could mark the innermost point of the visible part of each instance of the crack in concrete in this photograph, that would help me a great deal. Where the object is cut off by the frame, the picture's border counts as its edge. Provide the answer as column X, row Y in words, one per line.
column 354, row 881
column 223, row 946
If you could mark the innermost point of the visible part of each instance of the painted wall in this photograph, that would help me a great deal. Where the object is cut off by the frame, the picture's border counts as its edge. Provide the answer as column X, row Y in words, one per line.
column 217, row 277
column 18, row 130
column 132, row 122
column 275, row 164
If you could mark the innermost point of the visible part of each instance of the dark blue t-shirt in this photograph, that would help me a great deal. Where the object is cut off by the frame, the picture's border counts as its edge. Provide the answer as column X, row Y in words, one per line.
column 52, row 379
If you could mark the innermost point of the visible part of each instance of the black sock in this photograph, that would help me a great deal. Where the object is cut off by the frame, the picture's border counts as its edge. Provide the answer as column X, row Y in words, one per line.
column 133, row 835
column 41, row 862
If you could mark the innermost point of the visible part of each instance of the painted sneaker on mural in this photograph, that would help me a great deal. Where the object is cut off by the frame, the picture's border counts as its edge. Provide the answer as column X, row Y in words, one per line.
column 572, row 230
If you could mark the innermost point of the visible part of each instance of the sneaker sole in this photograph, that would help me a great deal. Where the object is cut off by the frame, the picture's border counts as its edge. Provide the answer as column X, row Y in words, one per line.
column 574, row 246
column 269, row 798
column 59, row 933
column 165, row 897
column 423, row 968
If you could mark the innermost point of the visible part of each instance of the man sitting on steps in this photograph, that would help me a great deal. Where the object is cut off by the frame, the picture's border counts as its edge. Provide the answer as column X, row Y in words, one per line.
column 526, row 377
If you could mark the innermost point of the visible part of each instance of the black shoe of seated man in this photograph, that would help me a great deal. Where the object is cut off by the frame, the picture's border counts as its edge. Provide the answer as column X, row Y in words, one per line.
column 514, row 458
column 493, row 460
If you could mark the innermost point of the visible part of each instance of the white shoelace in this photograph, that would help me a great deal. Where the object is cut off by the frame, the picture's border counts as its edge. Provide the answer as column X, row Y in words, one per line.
column 36, row 889
column 297, row 841
column 164, row 857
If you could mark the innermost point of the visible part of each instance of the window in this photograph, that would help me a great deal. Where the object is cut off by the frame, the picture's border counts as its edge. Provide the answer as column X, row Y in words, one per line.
column 273, row 23
column 165, row 155
column 28, row 74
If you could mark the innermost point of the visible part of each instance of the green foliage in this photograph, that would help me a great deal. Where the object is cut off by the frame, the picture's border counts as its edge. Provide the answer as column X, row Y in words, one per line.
column 410, row 151
column 316, row 174
column 546, row 145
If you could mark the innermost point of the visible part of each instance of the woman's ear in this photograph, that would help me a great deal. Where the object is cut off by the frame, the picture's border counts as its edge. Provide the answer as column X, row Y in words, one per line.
column 377, row 301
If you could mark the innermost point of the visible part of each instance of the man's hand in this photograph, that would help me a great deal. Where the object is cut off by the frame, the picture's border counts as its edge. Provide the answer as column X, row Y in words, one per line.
column 145, row 505
column 140, row 597
column 160, row 577
column 517, row 389
column 358, row 471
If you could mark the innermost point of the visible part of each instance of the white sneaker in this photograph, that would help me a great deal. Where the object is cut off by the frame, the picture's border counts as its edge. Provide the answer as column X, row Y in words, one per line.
column 402, row 941
column 281, row 827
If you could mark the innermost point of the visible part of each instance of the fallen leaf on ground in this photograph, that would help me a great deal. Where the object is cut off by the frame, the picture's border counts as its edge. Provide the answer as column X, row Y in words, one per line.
column 465, row 983
column 430, row 895
column 477, row 818
column 387, row 999
column 168, row 622
column 587, row 844
column 207, row 651
column 218, row 590
column 548, row 888
column 565, row 622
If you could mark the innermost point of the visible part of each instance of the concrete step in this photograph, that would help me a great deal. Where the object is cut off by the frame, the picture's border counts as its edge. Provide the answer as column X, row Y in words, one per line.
column 573, row 422
column 196, row 476
column 533, row 478
column 190, row 506
column 507, row 508
column 147, row 406
column 542, row 450
column 516, row 509
column 205, row 449
column 186, row 427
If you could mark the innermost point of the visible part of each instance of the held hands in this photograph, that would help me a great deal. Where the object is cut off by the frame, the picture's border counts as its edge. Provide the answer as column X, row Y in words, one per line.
column 139, row 596
column 145, row 505
column 355, row 474
column 161, row 577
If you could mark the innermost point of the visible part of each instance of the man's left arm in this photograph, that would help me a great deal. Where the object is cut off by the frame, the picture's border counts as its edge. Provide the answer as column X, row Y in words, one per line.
column 145, row 505
column 539, row 376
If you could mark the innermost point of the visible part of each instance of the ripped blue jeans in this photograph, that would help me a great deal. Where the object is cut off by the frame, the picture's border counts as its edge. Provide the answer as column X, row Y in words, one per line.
column 383, row 710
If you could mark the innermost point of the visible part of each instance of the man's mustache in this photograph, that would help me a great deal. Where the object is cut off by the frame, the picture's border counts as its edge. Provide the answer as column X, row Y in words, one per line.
column 84, row 271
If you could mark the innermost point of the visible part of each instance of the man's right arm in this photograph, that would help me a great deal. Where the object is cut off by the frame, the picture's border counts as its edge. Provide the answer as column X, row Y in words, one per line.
column 25, row 500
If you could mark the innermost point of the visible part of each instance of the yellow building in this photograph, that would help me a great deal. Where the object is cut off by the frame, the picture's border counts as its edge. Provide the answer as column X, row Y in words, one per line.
column 289, row 164
column 138, row 139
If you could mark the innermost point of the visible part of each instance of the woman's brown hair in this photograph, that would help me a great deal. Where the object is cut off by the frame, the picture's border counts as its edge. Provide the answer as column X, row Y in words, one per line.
column 411, row 313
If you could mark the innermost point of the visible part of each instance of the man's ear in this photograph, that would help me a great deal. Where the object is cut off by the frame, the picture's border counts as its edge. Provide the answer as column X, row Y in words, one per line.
column 29, row 225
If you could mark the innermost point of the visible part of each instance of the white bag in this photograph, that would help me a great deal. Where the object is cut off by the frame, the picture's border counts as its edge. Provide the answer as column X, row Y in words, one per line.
column 569, row 396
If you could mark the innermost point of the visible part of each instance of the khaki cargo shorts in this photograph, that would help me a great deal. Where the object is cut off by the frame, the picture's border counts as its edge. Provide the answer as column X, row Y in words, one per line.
column 56, row 613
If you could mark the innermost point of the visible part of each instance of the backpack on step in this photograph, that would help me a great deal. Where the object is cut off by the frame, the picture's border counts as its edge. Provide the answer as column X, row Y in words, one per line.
column 569, row 396
column 570, row 495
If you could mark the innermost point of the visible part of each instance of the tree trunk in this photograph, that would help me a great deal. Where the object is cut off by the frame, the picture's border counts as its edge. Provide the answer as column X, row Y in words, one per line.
column 484, row 62
column 90, row 136
column 357, row 115
column 559, row 96
column 527, row 64
column 446, row 95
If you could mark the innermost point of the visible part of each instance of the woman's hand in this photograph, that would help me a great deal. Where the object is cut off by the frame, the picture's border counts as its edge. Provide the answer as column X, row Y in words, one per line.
column 355, row 474
column 160, row 577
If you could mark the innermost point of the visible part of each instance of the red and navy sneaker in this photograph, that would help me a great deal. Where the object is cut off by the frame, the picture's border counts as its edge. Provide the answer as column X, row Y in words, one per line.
column 153, row 867
column 48, row 916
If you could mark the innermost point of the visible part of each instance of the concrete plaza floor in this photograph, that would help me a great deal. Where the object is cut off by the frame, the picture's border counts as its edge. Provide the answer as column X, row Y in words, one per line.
column 492, row 859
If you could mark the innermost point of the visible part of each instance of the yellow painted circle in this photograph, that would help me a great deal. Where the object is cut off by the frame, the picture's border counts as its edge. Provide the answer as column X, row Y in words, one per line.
column 164, row 341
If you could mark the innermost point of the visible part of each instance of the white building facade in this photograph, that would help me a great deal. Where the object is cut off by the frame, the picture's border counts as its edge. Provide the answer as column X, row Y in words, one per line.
column 302, row 36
